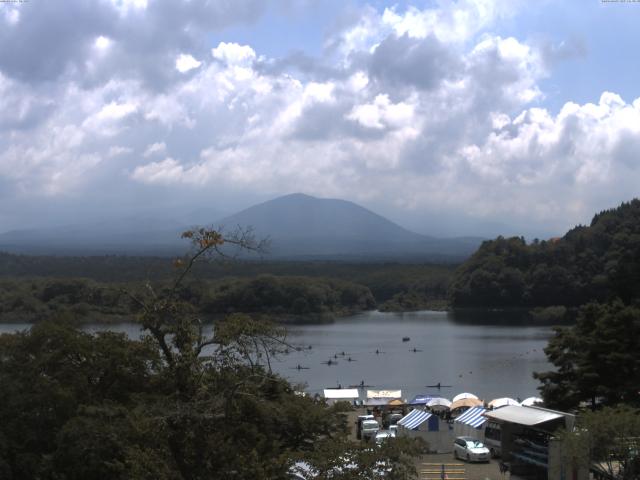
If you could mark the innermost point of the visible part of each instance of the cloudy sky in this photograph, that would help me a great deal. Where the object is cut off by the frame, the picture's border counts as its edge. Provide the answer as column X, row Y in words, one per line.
column 449, row 117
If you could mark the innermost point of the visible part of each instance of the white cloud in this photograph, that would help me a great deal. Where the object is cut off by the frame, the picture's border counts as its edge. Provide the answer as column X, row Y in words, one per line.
column 382, row 113
column 127, row 6
column 102, row 42
column 155, row 148
column 167, row 171
column 117, row 150
column 185, row 62
column 234, row 54
column 451, row 118
column 12, row 15
column 116, row 111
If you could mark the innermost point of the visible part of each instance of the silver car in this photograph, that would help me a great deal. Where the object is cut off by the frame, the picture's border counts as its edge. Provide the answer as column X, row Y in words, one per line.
column 470, row 449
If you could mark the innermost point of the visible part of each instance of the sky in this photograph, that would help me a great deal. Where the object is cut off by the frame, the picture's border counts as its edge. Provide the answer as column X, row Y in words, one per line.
column 467, row 117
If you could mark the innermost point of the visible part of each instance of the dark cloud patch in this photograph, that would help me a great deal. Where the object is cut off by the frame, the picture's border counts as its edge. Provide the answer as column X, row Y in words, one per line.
column 52, row 39
column 405, row 61
column 328, row 121
column 300, row 62
column 23, row 112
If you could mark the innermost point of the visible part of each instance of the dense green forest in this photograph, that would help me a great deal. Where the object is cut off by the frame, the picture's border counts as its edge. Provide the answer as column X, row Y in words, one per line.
column 81, row 300
column 83, row 406
column 91, row 288
column 598, row 262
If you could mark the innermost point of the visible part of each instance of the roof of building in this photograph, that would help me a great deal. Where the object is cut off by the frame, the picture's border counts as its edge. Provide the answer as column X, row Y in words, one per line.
column 528, row 416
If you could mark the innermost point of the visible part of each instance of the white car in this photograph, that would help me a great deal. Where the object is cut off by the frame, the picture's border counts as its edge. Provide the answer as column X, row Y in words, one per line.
column 470, row 449
column 383, row 435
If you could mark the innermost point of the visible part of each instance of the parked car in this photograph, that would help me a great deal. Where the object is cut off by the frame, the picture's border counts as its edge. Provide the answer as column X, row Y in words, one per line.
column 391, row 419
column 361, row 419
column 369, row 428
column 383, row 436
column 470, row 449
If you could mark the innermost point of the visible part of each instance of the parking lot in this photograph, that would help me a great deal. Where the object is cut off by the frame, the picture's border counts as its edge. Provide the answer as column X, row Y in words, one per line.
column 430, row 468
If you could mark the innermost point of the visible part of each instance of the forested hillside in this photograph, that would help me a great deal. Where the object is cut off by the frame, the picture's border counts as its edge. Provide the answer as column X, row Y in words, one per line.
column 598, row 262
column 82, row 300
column 90, row 285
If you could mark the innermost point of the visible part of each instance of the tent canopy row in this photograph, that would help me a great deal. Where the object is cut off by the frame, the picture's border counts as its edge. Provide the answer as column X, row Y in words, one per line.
column 414, row 419
column 474, row 417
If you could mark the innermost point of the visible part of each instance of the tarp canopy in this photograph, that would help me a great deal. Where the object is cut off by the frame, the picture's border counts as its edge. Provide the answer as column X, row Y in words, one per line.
column 473, row 417
column 465, row 402
column 527, row 402
column 338, row 393
column 414, row 419
column 439, row 402
column 528, row 416
column 460, row 396
column 503, row 402
column 384, row 394
column 420, row 399
column 396, row 402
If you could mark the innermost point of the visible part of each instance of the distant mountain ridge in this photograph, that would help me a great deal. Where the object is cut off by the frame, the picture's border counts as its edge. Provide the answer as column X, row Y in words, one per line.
column 299, row 226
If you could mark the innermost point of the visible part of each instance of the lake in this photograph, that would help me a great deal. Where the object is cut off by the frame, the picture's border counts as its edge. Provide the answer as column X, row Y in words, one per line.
column 484, row 354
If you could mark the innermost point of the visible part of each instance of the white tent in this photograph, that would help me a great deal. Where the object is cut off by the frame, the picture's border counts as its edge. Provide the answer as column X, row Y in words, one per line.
column 471, row 424
column 341, row 393
column 438, row 402
column 423, row 424
column 528, row 402
column 461, row 396
column 414, row 419
column 503, row 402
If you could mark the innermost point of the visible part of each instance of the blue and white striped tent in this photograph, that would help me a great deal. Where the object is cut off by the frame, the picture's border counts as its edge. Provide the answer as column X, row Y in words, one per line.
column 414, row 419
column 473, row 417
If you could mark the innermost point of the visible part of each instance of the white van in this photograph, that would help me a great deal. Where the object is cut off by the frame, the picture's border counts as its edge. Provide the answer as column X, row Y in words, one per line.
column 370, row 428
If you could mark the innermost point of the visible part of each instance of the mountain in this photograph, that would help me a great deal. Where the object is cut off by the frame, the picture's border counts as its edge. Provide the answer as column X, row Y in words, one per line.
column 298, row 226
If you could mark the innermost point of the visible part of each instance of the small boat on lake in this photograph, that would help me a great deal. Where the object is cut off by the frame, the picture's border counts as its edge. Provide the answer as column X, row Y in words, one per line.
column 405, row 339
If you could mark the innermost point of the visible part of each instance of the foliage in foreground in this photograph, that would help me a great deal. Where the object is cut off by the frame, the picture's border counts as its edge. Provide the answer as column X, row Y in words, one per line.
column 177, row 404
column 596, row 361
column 607, row 439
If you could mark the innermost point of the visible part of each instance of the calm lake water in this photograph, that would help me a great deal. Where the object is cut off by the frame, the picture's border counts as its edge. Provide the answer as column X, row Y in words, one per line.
column 484, row 355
